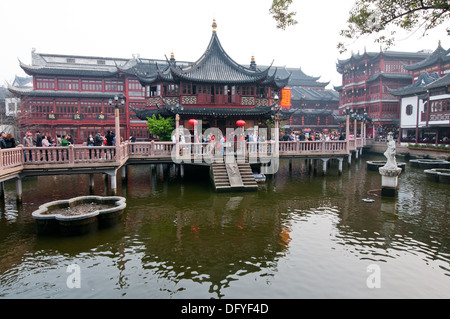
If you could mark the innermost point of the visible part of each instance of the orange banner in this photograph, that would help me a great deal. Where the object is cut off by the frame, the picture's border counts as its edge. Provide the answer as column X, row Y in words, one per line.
column 285, row 98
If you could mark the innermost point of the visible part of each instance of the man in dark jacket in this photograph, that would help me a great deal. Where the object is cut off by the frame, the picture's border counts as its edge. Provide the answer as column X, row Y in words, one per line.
column 38, row 139
column 109, row 138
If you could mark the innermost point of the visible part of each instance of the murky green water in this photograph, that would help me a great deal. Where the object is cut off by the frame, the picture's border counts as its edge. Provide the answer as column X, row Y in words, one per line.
column 300, row 236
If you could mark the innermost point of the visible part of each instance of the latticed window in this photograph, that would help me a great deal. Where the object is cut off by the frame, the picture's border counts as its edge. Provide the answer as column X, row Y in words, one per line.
column 91, row 85
column 68, row 84
column 45, row 83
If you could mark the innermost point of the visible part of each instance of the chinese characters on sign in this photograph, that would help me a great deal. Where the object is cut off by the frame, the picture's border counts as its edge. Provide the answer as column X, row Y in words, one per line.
column 285, row 98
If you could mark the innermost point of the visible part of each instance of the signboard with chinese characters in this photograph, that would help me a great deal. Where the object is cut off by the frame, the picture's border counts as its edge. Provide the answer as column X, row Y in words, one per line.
column 101, row 117
column 285, row 98
column 52, row 116
column 77, row 117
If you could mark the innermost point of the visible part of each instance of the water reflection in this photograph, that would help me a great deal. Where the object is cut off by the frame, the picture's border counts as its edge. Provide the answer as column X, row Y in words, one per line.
column 301, row 235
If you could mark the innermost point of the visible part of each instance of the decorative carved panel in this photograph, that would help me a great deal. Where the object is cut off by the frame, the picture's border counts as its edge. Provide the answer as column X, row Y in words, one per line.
column 262, row 102
column 248, row 100
column 171, row 100
column 152, row 101
column 185, row 99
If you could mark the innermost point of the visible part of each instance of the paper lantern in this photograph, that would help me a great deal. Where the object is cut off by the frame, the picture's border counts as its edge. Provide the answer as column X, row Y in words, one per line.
column 193, row 122
column 240, row 123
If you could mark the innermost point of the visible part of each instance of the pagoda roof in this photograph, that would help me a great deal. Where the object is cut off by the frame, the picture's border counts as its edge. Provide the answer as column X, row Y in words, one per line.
column 440, row 54
column 300, row 78
column 442, row 82
column 216, row 66
column 314, row 95
column 372, row 56
column 418, row 87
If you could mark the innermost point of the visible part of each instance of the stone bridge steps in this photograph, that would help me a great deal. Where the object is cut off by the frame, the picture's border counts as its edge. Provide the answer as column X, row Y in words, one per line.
column 229, row 177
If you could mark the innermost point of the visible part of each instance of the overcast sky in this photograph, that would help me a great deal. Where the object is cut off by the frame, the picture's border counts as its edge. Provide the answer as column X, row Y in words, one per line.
column 155, row 28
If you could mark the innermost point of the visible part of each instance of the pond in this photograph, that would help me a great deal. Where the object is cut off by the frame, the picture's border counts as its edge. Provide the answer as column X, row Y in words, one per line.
column 301, row 235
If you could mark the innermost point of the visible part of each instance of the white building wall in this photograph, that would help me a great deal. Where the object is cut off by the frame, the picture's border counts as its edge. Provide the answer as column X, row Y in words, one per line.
column 410, row 121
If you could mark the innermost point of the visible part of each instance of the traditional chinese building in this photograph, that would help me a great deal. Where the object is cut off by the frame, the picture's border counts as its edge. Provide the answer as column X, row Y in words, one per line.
column 314, row 107
column 366, row 80
column 437, row 62
column 425, row 110
column 70, row 94
column 215, row 89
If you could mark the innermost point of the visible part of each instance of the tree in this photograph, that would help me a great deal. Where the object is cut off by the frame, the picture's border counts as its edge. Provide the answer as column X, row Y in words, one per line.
column 161, row 127
column 280, row 12
column 374, row 17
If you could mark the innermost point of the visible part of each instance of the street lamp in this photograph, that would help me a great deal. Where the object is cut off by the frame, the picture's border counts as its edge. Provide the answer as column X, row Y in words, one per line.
column 276, row 117
column 117, row 123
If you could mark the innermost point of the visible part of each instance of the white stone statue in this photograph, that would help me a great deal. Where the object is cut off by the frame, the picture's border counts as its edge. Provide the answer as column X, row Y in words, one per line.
column 390, row 153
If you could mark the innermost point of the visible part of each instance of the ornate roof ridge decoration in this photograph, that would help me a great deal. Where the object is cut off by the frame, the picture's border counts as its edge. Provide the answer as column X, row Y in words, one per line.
column 216, row 66
column 419, row 86
column 372, row 56
column 440, row 54
column 276, row 81
column 441, row 82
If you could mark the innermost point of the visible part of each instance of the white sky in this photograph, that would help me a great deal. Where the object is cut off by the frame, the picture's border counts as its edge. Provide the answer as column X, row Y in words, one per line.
column 153, row 28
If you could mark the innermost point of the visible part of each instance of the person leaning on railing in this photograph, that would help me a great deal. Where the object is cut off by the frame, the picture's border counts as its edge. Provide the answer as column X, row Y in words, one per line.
column 27, row 142
column 65, row 143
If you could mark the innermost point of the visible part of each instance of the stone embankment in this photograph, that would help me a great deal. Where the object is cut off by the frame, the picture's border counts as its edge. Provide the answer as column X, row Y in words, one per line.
column 406, row 152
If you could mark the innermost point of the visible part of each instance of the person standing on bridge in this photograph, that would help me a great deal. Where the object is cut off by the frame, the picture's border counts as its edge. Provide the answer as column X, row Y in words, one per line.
column 2, row 140
column 27, row 142
column 10, row 141
column 38, row 139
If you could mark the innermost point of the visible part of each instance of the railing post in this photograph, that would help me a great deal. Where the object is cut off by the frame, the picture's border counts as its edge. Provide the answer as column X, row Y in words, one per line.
column 71, row 154
column 152, row 148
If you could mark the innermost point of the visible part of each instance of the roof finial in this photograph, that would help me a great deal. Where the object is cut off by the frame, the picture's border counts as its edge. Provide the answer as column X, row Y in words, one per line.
column 214, row 25
column 253, row 63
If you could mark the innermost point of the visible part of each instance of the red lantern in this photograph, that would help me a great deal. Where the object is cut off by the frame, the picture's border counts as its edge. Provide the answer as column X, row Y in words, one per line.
column 193, row 122
column 240, row 123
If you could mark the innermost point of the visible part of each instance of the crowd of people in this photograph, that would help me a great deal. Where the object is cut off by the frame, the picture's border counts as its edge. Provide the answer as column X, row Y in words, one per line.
column 312, row 136
column 42, row 140
column 38, row 140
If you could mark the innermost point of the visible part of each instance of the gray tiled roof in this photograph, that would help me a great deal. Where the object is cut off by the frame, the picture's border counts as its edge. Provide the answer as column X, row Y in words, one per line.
column 215, row 66
column 439, row 54
column 420, row 86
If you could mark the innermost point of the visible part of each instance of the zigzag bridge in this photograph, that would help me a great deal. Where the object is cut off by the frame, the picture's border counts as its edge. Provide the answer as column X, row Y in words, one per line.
column 230, row 170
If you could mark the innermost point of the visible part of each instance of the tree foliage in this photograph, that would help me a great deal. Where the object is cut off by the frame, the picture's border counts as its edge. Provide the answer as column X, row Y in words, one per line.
column 281, row 13
column 161, row 127
column 374, row 17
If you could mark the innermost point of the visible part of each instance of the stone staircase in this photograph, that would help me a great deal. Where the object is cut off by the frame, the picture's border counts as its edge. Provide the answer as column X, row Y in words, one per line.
column 232, row 177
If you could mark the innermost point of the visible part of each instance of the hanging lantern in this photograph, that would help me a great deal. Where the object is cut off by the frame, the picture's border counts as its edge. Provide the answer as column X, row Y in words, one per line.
column 193, row 122
column 240, row 123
